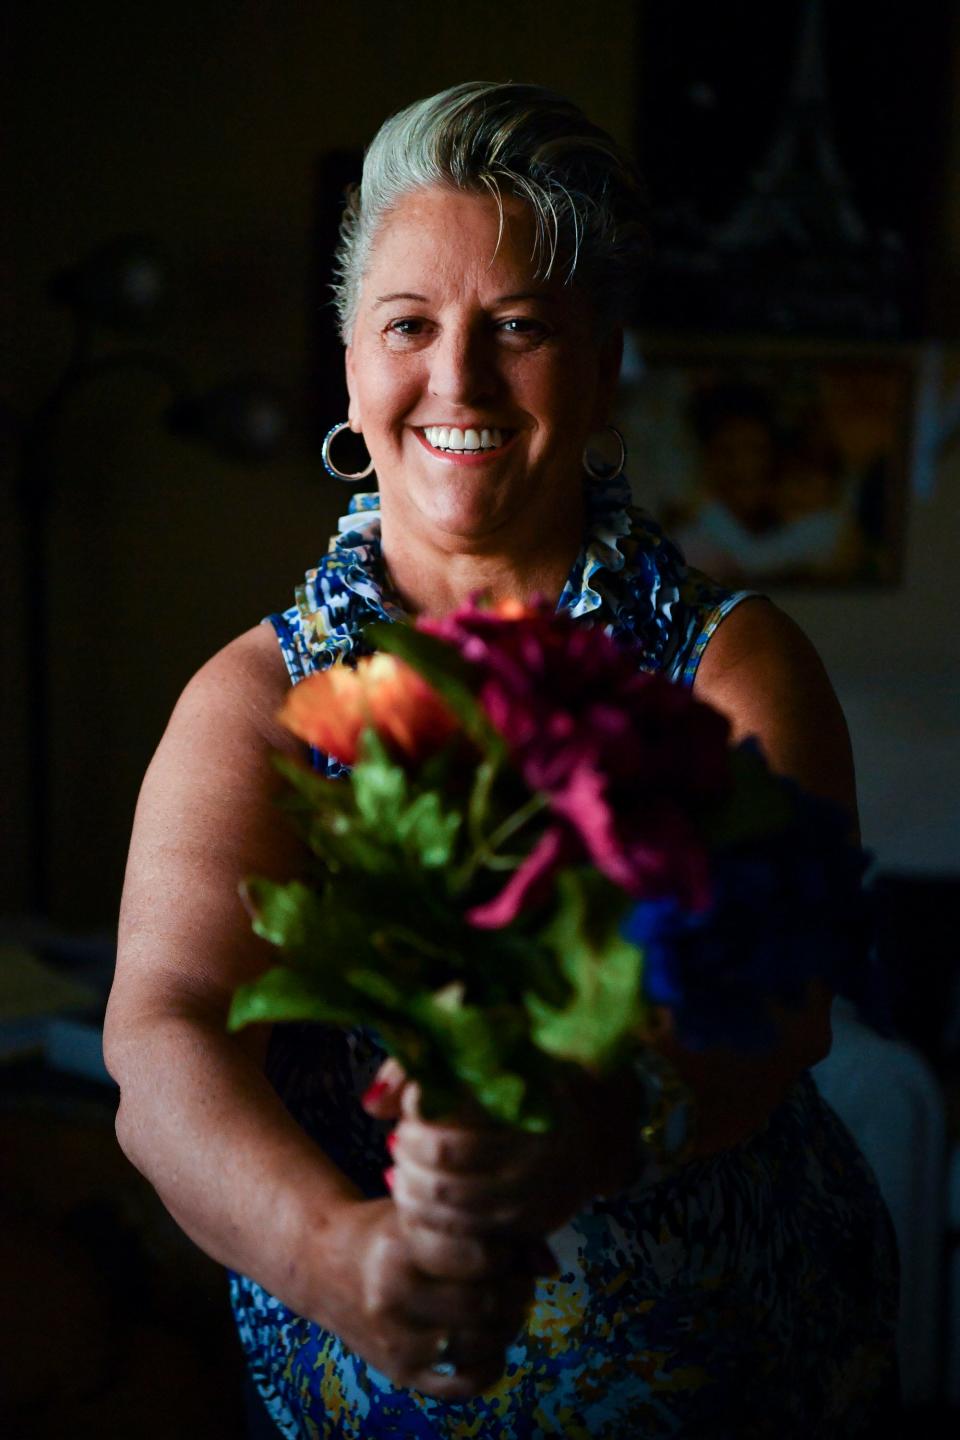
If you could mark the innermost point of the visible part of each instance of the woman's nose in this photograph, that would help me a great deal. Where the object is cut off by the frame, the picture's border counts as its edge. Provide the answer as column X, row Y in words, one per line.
column 461, row 368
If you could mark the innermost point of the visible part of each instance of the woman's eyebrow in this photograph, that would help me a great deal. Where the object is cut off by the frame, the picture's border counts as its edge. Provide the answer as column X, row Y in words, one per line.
column 500, row 300
column 397, row 295
column 525, row 295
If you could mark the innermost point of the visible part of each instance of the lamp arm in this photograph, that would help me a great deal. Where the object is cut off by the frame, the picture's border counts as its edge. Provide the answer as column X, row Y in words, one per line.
column 34, row 488
column 35, row 479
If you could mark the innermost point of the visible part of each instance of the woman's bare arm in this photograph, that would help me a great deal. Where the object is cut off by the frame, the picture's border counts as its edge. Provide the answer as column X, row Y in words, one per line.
column 765, row 675
column 198, row 1117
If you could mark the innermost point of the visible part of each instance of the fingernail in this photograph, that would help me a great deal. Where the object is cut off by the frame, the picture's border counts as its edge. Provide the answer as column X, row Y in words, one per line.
column 388, row 1175
column 392, row 1141
column 374, row 1093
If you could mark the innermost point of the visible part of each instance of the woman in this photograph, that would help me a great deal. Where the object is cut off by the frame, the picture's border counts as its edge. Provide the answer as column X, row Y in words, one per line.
column 484, row 266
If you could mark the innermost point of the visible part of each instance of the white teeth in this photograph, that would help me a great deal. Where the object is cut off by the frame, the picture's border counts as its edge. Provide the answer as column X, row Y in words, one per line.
column 446, row 437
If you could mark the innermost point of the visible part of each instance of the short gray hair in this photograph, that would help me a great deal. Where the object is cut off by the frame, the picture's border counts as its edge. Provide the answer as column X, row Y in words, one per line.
column 582, row 188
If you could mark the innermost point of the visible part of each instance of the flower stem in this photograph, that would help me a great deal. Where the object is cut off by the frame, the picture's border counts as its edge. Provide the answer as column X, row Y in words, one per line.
column 485, row 851
column 480, row 799
column 537, row 802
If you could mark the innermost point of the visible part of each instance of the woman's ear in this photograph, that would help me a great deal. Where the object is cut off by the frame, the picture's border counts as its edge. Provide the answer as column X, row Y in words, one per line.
column 353, row 413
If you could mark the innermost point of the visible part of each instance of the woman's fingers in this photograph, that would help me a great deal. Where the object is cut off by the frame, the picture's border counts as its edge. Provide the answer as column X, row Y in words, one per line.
column 406, row 1312
column 467, row 1178
column 457, row 1256
column 383, row 1098
column 491, row 1151
column 455, row 1203
column 474, row 1375
column 487, row 1179
column 432, row 1304
column 478, row 1181
column 419, row 1302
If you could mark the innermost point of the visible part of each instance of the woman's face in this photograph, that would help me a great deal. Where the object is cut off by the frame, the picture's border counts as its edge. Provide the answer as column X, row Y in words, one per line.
column 454, row 334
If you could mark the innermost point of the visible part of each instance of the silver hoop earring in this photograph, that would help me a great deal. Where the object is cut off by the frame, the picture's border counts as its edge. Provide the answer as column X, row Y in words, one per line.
column 328, row 464
column 606, row 473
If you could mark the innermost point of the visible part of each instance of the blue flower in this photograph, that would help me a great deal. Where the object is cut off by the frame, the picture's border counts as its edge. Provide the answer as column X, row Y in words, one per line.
column 786, row 909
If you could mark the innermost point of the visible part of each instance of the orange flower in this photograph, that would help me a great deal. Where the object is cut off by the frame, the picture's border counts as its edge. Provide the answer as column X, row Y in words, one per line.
column 512, row 610
column 331, row 710
column 328, row 710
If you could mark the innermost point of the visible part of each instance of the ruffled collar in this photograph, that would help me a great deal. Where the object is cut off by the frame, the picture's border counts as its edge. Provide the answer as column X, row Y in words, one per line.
column 627, row 576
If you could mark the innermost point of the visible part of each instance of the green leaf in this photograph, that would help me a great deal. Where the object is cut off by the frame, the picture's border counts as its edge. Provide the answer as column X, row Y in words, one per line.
column 285, row 994
column 379, row 784
column 347, row 847
column 407, row 947
column 378, row 987
column 427, row 833
column 285, row 915
column 329, row 817
column 390, row 818
column 606, row 1007
column 325, row 812
column 320, row 792
column 481, row 1045
column 445, row 671
column 325, row 932
column 349, row 912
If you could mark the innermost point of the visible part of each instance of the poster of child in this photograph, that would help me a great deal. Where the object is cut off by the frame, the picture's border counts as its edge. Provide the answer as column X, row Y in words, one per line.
column 776, row 468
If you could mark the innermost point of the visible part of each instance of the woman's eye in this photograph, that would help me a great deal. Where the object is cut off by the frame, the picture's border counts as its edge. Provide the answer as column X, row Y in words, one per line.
column 406, row 328
column 524, row 327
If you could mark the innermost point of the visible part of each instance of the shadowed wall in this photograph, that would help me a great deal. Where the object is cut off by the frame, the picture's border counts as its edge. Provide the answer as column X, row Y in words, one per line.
column 202, row 125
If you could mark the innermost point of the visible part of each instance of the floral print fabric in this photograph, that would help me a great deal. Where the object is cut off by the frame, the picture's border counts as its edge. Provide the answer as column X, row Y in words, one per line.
column 629, row 578
column 750, row 1294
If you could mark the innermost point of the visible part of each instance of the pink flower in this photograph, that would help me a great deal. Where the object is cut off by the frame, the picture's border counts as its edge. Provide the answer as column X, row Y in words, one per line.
column 529, row 883
column 627, row 758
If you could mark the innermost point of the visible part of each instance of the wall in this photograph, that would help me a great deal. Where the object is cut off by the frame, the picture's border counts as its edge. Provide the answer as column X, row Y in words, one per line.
column 201, row 124
column 895, row 662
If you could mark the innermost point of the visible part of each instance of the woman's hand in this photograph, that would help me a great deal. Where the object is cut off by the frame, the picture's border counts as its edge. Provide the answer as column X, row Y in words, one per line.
column 466, row 1181
column 382, row 1305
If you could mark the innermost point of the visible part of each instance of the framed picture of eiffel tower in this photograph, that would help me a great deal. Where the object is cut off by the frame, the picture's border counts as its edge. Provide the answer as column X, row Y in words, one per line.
column 795, row 155
column 774, row 462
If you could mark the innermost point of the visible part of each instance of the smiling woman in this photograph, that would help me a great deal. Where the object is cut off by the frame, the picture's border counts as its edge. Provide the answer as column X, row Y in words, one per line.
column 469, row 346
column 486, row 260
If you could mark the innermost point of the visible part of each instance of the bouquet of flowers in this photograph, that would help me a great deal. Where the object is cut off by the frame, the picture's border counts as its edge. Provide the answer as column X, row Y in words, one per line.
column 539, row 850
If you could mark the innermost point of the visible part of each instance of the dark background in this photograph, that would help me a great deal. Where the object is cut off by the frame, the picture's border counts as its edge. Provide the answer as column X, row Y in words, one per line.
column 219, row 128
column 204, row 126
column 713, row 86
column 216, row 129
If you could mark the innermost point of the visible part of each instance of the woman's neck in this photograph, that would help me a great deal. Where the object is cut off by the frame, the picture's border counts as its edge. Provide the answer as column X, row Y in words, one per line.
column 432, row 574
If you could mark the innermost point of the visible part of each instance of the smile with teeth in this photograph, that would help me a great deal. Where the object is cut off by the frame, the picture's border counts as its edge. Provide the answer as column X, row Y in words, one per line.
column 461, row 442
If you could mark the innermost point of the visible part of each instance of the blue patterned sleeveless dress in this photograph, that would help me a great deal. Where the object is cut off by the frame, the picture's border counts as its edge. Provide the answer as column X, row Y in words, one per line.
column 750, row 1294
